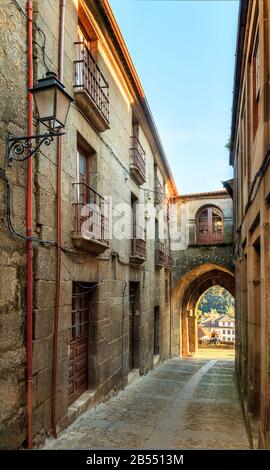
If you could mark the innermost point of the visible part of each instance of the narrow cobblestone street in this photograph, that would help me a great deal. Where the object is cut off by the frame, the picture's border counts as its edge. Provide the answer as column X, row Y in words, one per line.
column 184, row 403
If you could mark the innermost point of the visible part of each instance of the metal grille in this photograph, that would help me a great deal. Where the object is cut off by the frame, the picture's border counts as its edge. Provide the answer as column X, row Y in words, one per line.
column 169, row 259
column 80, row 312
column 159, row 192
column 138, row 242
column 160, row 253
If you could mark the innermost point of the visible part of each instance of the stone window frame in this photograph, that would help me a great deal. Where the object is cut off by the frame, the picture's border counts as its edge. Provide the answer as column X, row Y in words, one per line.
column 210, row 238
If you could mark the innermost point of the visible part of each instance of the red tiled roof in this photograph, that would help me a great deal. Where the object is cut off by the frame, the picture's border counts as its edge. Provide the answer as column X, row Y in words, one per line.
column 203, row 332
column 220, row 192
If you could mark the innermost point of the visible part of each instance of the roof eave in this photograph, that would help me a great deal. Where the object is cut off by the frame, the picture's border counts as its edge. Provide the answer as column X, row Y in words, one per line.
column 242, row 19
column 228, row 185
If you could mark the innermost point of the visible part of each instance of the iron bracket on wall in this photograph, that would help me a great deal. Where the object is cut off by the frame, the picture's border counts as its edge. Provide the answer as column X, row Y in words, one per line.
column 21, row 148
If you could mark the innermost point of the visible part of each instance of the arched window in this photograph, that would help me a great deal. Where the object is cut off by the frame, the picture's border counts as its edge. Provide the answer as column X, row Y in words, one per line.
column 209, row 225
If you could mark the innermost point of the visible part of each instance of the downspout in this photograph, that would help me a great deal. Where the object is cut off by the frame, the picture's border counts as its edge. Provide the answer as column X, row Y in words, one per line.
column 59, row 223
column 170, row 291
column 170, row 314
column 123, row 335
column 29, row 231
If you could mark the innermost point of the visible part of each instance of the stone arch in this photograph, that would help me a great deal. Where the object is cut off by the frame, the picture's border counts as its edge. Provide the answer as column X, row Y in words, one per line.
column 185, row 296
column 205, row 206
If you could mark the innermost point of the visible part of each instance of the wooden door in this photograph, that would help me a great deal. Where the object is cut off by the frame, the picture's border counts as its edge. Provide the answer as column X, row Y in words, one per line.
column 78, row 354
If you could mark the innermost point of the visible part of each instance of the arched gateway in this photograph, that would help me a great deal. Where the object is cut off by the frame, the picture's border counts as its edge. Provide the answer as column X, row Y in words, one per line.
column 204, row 261
column 185, row 296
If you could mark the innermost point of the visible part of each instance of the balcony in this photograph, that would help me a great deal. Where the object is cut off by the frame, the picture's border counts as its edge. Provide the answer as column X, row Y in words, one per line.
column 90, row 224
column 158, row 192
column 169, row 260
column 90, row 88
column 137, row 161
column 159, row 254
column 205, row 238
column 138, row 245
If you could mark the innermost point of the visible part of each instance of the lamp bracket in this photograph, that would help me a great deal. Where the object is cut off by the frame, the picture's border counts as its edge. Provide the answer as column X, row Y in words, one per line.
column 20, row 148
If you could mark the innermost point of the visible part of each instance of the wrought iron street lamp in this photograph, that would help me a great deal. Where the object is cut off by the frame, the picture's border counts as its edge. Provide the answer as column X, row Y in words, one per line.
column 52, row 103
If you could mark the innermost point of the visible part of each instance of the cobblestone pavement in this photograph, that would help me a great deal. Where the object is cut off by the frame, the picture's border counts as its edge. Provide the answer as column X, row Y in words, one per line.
column 183, row 403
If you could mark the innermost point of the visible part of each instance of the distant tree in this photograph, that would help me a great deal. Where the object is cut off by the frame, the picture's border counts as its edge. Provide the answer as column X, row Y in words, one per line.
column 216, row 300
column 228, row 144
column 230, row 311
column 199, row 315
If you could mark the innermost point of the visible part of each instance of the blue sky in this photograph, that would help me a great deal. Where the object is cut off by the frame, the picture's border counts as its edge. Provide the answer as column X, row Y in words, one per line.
column 184, row 52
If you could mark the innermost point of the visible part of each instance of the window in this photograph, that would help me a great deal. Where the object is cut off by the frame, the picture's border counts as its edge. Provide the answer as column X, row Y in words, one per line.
column 233, row 332
column 229, row 332
column 84, row 45
column 224, row 332
column 90, row 208
column 255, row 86
column 209, row 225
column 86, row 168
column 83, row 176
column 166, row 291
column 257, row 70
column 137, row 232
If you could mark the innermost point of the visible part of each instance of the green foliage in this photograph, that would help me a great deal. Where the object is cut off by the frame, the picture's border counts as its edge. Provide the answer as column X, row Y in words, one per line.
column 216, row 301
column 228, row 144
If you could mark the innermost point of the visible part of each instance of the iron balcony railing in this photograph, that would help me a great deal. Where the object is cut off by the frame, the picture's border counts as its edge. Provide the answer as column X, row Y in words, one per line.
column 137, row 159
column 91, row 214
column 89, row 77
column 159, row 253
column 169, row 259
column 138, row 243
column 159, row 192
column 206, row 238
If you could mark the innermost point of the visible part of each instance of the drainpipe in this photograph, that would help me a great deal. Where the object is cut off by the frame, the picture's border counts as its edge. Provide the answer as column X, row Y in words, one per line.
column 170, row 314
column 123, row 336
column 62, row 7
column 29, row 231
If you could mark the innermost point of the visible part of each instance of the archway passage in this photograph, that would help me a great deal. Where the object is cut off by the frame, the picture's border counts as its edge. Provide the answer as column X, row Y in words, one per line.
column 215, row 314
column 185, row 297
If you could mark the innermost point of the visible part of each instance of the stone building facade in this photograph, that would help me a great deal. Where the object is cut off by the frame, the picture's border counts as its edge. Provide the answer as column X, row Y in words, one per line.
column 203, row 257
column 114, row 308
column 250, row 160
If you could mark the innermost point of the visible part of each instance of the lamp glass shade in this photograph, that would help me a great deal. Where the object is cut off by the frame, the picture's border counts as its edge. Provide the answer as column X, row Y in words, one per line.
column 52, row 101
column 62, row 107
column 45, row 100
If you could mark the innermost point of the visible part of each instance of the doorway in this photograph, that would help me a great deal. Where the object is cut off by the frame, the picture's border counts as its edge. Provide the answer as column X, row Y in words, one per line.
column 78, row 377
column 156, row 331
column 133, row 306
